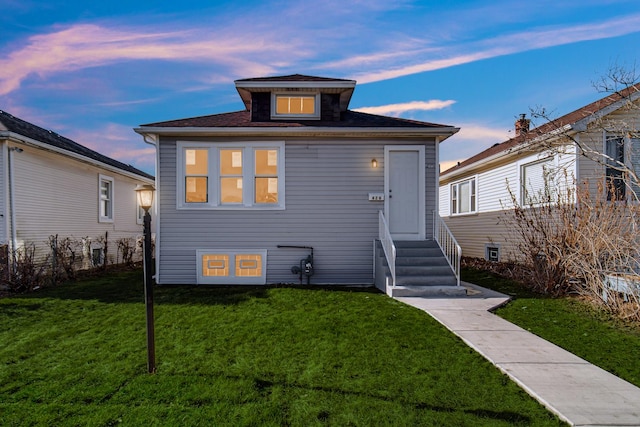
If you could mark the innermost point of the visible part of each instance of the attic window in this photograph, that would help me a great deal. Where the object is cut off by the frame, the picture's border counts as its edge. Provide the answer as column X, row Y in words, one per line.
column 286, row 106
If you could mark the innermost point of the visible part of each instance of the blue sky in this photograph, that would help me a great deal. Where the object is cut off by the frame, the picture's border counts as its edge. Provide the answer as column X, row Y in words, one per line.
column 92, row 71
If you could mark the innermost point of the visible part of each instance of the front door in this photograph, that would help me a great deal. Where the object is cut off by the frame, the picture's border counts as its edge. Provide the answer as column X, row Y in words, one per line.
column 404, row 190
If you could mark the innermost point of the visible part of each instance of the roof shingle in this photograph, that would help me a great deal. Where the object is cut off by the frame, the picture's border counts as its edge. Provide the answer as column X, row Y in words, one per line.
column 243, row 119
column 18, row 126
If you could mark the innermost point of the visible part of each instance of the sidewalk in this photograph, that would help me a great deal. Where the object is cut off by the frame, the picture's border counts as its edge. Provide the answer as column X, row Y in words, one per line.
column 578, row 392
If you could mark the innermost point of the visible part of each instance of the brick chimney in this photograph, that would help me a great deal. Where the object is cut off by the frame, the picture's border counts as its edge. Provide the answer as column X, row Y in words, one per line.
column 522, row 125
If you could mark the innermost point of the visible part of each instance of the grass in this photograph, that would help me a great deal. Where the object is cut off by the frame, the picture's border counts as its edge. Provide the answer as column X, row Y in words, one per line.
column 274, row 356
column 570, row 323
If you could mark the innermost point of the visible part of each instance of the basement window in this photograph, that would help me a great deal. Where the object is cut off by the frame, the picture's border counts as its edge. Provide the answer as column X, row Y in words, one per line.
column 237, row 267
column 492, row 252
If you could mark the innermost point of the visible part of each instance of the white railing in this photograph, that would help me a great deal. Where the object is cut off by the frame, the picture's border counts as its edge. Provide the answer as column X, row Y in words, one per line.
column 388, row 247
column 448, row 244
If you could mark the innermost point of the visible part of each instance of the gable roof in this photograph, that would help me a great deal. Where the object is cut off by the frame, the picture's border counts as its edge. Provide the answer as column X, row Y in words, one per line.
column 16, row 128
column 574, row 121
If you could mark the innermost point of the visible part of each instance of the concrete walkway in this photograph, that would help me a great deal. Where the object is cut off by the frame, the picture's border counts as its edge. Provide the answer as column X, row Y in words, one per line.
column 578, row 392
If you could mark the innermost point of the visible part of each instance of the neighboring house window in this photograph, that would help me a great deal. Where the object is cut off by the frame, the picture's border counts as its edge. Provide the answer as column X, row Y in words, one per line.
column 105, row 199
column 295, row 106
column 614, row 171
column 463, row 197
column 140, row 214
column 226, row 176
column 536, row 182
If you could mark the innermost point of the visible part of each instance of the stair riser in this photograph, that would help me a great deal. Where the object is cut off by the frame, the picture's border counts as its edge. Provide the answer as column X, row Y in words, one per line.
column 434, row 291
column 426, row 280
column 418, row 252
column 423, row 271
column 416, row 244
column 426, row 262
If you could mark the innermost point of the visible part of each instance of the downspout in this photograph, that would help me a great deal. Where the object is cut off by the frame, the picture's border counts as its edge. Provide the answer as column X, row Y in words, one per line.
column 153, row 139
column 12, row 211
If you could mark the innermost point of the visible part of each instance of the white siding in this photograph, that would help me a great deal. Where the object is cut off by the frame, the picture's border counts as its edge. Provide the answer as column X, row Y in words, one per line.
column 494, row 189
column 327, row 207
column 57, row 195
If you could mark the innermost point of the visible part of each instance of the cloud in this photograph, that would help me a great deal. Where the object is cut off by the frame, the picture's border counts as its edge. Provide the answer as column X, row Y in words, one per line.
column 499, row 46
column 476, row 132
column 118, row 142
column 89, row 45
column 469, row 141
column 398, row 109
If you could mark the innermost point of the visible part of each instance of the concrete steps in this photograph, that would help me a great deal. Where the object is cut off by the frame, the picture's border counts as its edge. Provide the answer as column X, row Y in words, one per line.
column 421, row 270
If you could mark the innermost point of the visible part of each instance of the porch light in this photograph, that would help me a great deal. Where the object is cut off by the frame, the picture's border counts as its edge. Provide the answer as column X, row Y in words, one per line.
column 145, row 200
column 374, row 163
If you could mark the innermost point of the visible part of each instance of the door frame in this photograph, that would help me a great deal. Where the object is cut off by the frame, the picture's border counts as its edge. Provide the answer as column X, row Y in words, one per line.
column 420, row 150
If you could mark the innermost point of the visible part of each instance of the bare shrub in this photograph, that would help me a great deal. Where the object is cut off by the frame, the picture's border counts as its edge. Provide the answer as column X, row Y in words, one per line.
column 64, row 258
column 570, row 240
column 27, row 273
column 127, row 249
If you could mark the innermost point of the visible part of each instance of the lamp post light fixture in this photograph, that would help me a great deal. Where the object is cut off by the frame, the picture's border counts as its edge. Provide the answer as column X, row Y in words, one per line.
column 145, row 200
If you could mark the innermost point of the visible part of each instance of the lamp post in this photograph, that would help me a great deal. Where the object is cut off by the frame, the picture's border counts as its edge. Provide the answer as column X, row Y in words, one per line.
column 145, row 200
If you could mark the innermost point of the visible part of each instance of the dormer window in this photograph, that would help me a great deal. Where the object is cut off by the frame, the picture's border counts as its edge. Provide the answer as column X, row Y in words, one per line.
column 286, row 106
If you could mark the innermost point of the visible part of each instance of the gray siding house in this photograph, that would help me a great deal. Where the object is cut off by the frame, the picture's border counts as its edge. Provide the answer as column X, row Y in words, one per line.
column 291, row 189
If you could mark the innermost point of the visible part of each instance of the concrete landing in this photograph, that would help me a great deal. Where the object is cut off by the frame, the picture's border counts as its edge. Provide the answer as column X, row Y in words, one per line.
column 580, row 393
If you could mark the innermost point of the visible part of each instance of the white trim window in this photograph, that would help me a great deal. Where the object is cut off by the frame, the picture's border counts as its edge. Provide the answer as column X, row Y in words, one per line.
column 295, row 105
column 105, row 198
column 230, row 176
column 464, row 197
column 536, row 182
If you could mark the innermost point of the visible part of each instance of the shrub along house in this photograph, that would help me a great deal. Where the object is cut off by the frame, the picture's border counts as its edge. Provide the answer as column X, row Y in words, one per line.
column 51, row 185
column 292, row 188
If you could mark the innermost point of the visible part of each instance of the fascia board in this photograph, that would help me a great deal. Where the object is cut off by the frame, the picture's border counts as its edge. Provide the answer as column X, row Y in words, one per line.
column 581, row 125
column 348, row 84
column 294, row 131
column 447, row 176
column 34, row 143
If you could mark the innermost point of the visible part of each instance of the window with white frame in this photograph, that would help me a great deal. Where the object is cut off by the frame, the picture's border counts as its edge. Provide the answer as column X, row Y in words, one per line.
column 463, row 197
column 231, row 176
column 105, row 199
column 536, row 182
column 294, row 105
column 615, row 165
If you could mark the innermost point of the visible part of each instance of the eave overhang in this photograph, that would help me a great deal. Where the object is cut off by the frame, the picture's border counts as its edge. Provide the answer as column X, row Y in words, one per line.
column 21, row 139
column 308, row 131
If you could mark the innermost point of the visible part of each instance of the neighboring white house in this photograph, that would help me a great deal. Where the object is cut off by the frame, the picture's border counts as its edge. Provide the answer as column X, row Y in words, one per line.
column 51, row 185
column 476, row 193
column 252, row 196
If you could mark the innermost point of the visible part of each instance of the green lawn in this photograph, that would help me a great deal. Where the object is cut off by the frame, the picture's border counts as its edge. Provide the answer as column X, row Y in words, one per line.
column 76, row 355
column 571, row 324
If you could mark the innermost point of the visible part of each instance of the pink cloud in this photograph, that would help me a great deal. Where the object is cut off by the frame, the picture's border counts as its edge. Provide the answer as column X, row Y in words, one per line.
column 87, row 45
column 118, row 142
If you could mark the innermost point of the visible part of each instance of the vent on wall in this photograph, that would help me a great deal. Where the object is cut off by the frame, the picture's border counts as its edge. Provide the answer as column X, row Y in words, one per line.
column 492, row 252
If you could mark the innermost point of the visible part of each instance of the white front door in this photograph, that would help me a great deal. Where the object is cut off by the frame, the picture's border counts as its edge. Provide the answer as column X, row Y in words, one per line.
column 404, row 190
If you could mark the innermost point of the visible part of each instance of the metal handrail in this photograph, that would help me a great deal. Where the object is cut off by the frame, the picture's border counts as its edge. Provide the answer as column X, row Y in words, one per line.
column 448, row 243
column 388, row 246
